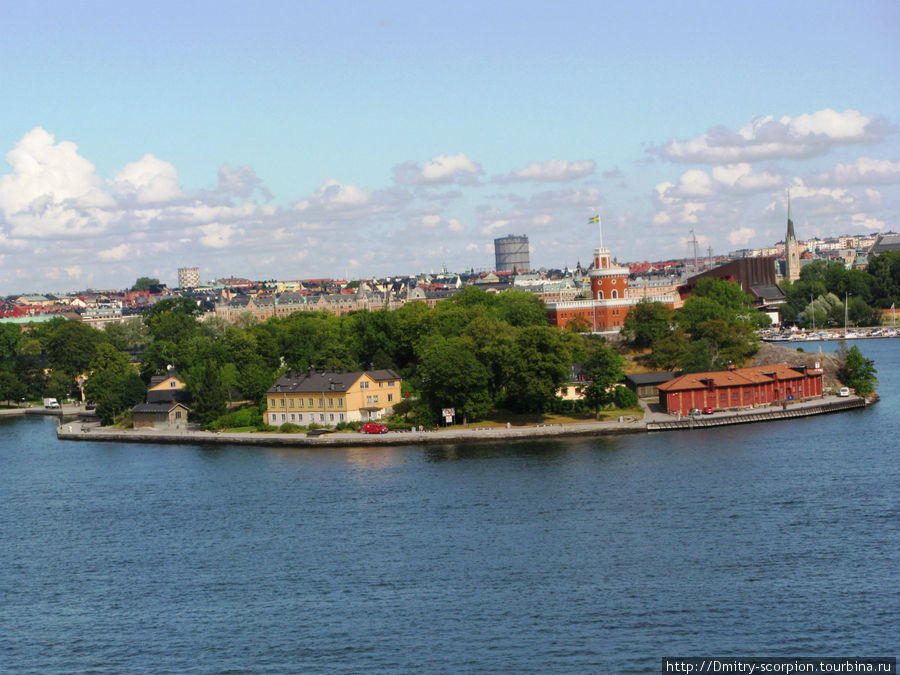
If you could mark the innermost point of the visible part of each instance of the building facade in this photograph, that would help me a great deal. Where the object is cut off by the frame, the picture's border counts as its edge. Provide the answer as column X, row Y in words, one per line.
column 610, row 299
column 188, row 277
column 740, row 388
column 331, row 397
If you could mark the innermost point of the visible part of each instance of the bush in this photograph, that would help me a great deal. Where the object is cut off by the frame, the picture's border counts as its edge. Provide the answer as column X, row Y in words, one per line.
column 265, row 427
column 623, row 397
column 290, row 428
column 347, row 426
column 245, row 417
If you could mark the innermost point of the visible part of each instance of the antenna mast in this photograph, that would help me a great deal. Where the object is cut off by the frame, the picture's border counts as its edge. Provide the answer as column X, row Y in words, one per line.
column 694, row 242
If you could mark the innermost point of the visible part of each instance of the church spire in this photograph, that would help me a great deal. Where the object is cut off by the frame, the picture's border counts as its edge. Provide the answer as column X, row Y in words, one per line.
column 790, row 223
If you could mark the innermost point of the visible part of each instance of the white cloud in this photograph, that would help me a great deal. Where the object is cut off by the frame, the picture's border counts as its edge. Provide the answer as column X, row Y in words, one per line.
column 864, row 223
column 216, row 235
column 117, row 253
column 864, row 170
column 555, row 170
column 439, row 170
column 742, row 236
column 149, row 180
column 240, row 182
column 807, row 135
column 333, row 195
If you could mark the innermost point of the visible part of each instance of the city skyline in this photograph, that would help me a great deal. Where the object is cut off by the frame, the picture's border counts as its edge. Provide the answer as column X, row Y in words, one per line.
column 299, row 141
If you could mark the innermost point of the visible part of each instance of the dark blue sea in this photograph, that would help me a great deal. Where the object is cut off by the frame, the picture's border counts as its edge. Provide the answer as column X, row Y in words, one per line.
column 591, row 555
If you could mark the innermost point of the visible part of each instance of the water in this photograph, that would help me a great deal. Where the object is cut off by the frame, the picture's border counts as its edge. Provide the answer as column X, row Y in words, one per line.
column 590, row 555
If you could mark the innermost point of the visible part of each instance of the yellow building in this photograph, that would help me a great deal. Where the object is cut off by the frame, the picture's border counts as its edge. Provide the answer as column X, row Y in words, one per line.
column 331, row 397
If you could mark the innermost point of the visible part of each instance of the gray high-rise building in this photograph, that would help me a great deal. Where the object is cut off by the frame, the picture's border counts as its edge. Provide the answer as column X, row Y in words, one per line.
column 511, row 253
column 188, row 277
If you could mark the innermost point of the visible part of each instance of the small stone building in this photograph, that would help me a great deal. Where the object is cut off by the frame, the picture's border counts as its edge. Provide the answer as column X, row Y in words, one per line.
column 171, row 415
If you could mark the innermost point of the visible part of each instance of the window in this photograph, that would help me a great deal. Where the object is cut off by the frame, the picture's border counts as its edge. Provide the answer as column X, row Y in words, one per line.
column 282, row 417
column 292, row 417
column 331, row 417
column 321, row 402
column 321, row 417
column 310, row 403
column 390, row 398
column 172, row 384
column 281, row 403
column 177, row 414
column 614, row 294
column 271, row 402
column 341, row 417
column 375, row 398
column 291, row 403
column 299, row 402
column 331, row 403
column 614, row 281
column 380, row 384
column 599, row 295
column 340, row 402
column 300, row 417
column 391, row 383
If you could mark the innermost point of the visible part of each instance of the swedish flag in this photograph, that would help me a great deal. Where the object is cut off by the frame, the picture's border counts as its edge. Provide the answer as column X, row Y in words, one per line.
column 595, row 219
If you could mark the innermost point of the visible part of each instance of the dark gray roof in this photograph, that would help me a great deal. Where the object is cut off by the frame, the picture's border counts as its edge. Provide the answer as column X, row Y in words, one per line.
column 640, row 379
column 885, row 242
column 157, row 407
column 315, row 382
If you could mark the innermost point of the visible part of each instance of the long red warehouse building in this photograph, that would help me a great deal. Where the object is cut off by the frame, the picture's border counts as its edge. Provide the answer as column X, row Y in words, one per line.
column 740, row 387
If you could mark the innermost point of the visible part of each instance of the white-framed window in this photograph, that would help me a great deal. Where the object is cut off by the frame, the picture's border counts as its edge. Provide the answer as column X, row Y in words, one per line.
column 614, row 281
column 375, row 398
column 310, row 403
column 300, row 402
column 292, row 417
column 321, row 417
column 271, row 402
column 380, row 384
column 599, row 295
column 300, row 417
column 390, row 398
column 615, row 294
column 331, row 417
column 321, row 402
column 290, row 403
column 281, row 403
column 341, row 417
column 282, row 417
column 331, row 403
column 368, row 400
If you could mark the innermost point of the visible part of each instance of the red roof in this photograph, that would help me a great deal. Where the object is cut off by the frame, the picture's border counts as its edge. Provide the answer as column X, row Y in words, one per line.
column 735, row 378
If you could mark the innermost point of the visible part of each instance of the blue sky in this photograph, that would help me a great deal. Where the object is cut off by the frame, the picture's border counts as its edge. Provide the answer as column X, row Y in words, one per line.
column 296, row 140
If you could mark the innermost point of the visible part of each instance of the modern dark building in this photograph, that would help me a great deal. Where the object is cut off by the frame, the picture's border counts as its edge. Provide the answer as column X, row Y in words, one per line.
column 511, row 253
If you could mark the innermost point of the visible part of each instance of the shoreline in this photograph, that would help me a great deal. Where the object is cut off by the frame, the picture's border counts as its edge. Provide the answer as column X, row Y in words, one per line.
column 651, row 422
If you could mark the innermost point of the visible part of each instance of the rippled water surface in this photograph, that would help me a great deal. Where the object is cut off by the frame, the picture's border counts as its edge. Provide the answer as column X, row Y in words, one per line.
column 589, row 555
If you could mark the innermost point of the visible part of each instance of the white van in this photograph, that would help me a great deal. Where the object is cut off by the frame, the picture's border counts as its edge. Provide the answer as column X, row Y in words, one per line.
column 843, row 391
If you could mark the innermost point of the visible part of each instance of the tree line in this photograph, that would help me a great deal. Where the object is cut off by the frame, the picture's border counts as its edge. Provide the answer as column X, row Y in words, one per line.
column 473, row 352
column 818, row 297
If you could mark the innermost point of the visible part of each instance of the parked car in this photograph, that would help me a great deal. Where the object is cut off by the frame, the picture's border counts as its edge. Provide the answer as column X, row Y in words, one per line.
column 844, row 391
column 373, row 428
column 708, row 411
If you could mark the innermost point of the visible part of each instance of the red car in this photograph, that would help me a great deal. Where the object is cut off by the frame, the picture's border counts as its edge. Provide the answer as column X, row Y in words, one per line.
column 708, row 411
column 373, row 428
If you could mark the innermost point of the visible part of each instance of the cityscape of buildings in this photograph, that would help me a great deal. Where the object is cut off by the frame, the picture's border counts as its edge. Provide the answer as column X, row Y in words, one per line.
column 598, row 295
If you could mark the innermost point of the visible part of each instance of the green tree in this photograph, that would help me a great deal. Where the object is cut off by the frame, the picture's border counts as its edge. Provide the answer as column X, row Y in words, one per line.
column 71, row 346
column 12, row 389
column 605, row 369
column 113, row 386
column 205, row 384
column 647, row 322
column 451, row 377
column 10, row 338
column 857, row 371
column 144, row 284
column 541, row 363
column 521, row 308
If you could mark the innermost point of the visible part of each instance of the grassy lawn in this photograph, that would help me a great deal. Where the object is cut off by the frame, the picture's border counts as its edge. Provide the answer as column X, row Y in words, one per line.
column 499, row 418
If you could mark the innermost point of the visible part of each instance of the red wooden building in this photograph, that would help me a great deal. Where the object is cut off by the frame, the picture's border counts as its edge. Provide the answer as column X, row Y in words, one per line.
column 740, row 387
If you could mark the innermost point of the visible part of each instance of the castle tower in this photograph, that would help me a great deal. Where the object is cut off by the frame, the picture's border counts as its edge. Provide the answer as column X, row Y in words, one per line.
column 791, row 249
column 608, row 280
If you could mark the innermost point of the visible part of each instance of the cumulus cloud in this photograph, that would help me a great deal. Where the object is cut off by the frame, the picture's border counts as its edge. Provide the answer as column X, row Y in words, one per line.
column 149, row 180
column 724, row 181
column 52, row 191
column 216, row 235
column 439, row 170
column 742, row 236
column 762, row 138
column 556, row 170
column 864, row 170
column 241, row 182
column 333, row 195
column 116, row 253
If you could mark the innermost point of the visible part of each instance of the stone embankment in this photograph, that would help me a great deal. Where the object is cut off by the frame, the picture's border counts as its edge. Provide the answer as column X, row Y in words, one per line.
column 652, row 421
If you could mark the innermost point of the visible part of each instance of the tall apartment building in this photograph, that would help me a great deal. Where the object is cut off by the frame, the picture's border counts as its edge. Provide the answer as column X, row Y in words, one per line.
column 188, row 277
